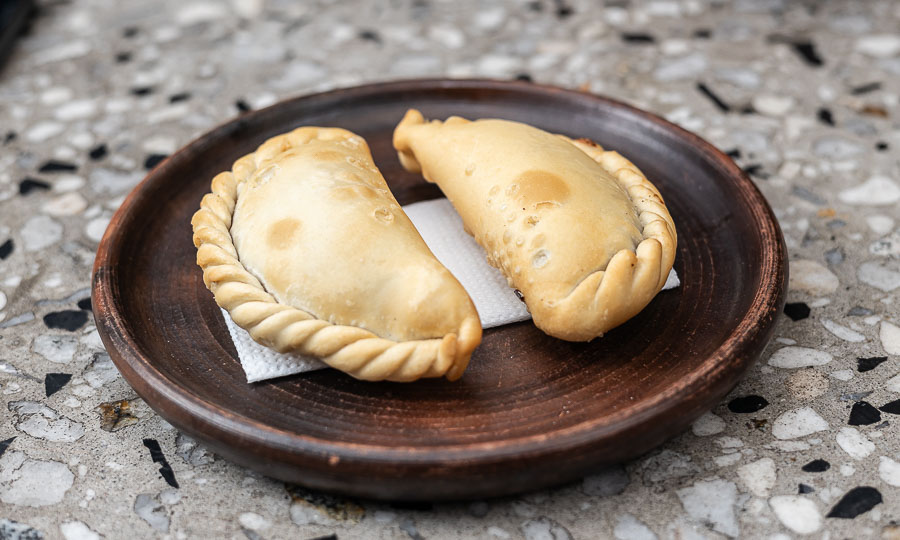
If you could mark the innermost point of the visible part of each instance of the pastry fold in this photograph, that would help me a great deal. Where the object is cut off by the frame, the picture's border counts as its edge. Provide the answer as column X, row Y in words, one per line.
column 579, row 231
column 305, row 246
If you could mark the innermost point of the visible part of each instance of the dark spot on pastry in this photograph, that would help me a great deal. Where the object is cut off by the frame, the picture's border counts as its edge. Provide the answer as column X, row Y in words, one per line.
column 242, row 105
column 858, row 500
column 115, row 415
column 519, row 294
column 165, row 470
column 54, row 166
column 816, row 465
column 716, row 100
column 153, row 160
column 5, row 444
column 536, row 187
column 67, row 319
column 85, row 304
column 98, row 152
column 824, row 115
column 865, row 88
column 283, row 233
column 892, row 407
column 180, row 96
column 634, row 37
column 747, row 404
column 870, row 363
column 29, row 184
column 6, row 248
column 863, row 414
column 142, row 90
column 53, row 382
column 803, row 489
column 797, row 311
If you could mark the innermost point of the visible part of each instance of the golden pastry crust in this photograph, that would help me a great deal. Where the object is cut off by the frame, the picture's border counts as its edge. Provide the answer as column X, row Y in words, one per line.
column 580, row 231
column 334, row 167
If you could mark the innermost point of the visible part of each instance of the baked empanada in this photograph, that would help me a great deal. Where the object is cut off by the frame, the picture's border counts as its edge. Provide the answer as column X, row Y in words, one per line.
column 305, row 246
column 579, row 231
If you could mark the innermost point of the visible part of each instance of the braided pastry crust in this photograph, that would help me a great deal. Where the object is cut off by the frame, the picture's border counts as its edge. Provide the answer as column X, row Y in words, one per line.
column 579, row 231
column 310, row 155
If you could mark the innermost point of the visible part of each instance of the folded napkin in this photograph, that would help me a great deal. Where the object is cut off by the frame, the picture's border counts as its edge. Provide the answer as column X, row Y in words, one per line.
column 442, row 229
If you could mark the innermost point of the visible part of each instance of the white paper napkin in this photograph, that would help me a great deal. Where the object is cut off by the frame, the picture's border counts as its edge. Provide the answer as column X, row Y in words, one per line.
column 442, row 229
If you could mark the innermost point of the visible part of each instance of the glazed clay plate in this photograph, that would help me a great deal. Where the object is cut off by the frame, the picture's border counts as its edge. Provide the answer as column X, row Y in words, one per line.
column 531, row 411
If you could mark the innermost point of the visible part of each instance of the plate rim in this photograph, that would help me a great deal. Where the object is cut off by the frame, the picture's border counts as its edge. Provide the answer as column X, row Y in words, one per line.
column 756, row 325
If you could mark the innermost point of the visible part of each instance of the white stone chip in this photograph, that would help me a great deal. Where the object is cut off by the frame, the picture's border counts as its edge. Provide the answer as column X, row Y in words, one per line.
column 253, row 521
column 198, row 12
column 792, row 357
column 76, row 530
column 59, row 349
column 880, row 224
column 893, row 384
column 812, row 278
column 629, row 527
column 36, row 483
column 770, row 105
column 843, row 332
column 712, row 502
column 876, row 191
column 708, row 424
column 96, row 227
column 798, row 423
column 842, row 374
column 854, row 443
column 759, row 476
column 42, row 131
column 40, row 232
column 879, row 45
column 889, row 471
column 68, row 204
column 890, row 338
column 686, row 67
column 76, row 110
column 883, row 275
column 797, row 513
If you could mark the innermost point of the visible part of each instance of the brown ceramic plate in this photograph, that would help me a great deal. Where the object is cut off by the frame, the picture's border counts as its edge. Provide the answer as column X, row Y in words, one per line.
column 531, row 411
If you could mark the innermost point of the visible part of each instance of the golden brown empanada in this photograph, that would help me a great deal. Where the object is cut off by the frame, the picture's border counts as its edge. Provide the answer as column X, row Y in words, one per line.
column 579, row 231
column 306, row 247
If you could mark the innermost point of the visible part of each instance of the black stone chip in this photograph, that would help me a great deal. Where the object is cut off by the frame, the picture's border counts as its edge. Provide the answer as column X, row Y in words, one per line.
column 824, row 115
column 523, row 77
column 123, row 57
column 756, row 169
column 332, row 536
column 803, row 489
column 797, row 311
column 53, row 166
column 5, row 444
column 716, row 100
column 863, row 414
column 130, row 31
column 865, row 88
column 734, row 153
column 142, row 90
column 180, row 96
column 807, row 51
column 858, row 500
column 881, row 146
column 85, row 304
column 870, row 363
column 68, row 319
column 816, row 465
column 242, row 105
column 98, row 152
column 156, row 454
column 633, row 37
column 5, row 249
column 29, row 184
column 54, row 381
column 153, row 160
column 563, row 10
column 535, row 6
column 370, row 35
column 703, row 33
column 747, row 404
column 892, row 407
column 9, row 137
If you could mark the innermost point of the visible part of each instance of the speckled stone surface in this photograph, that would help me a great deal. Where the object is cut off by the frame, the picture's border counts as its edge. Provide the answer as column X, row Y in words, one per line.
column 804, row 95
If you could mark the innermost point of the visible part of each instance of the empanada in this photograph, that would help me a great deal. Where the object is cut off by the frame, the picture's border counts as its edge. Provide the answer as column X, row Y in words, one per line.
column 579, row 231
column 306, row 247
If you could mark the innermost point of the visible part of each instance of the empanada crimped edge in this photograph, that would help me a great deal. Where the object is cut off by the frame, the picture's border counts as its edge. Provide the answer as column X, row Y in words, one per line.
column 353, row 350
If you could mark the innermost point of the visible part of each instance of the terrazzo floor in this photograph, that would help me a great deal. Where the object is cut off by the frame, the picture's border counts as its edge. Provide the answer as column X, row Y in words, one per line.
column 803, row 95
